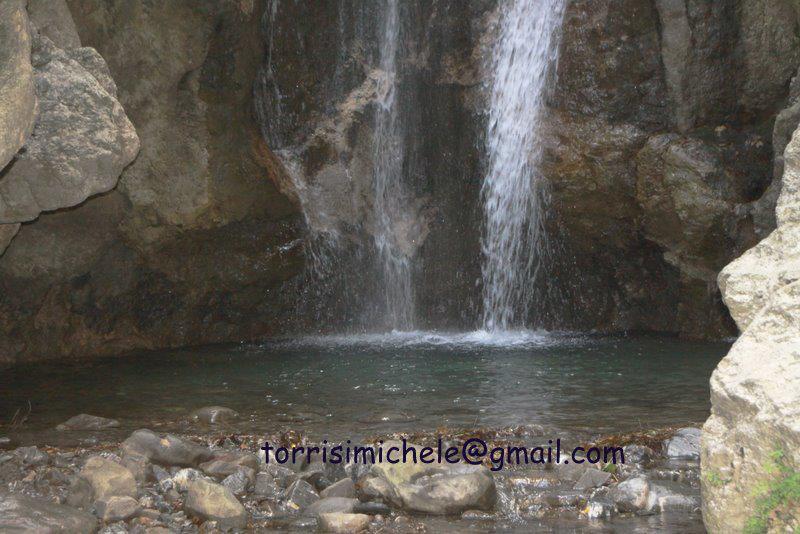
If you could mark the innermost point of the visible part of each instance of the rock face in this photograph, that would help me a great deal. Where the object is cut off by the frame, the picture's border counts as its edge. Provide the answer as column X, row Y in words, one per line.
column 17, row 92
column 201, row 186
column 751, row 441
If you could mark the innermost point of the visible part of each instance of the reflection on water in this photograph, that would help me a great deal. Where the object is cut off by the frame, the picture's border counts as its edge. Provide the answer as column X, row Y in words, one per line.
column 350, row 387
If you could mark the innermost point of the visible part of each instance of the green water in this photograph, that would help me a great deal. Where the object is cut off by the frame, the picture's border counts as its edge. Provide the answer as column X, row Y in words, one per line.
column 350, row 387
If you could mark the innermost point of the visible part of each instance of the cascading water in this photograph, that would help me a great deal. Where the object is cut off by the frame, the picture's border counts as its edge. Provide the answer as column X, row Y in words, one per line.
column 514, row 193
column 390, row 208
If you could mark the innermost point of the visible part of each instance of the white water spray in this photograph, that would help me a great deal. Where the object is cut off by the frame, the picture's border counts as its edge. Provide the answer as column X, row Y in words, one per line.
column 390, row 195
column 514, row 194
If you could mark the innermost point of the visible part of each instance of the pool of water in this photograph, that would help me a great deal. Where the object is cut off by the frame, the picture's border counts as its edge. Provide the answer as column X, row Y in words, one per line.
column 357, row 386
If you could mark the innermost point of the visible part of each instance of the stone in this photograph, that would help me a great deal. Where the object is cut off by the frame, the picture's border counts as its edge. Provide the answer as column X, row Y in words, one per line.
column 81, row 141
column 88, row 422
column 183, row 478
column 331, row 505
column 32, row 456
column 344, row 488
column 168, row 450
column 436, row 488
column 638, row 454
column 214, row 415
column 265, row 485
column 108, row 478
column 684, row 444
column 208, row 501
column 139, row 466
column 592, row 478
column 300, row 495
column 755, row 389
column 672, row 497
column 17, row 89
column 632, row 495
column 80, row 493
column 372, row 508
column 117, row 509
column 343, row 522
column 19, row 513
column 241, row 481
column 599, row 508
column 228, row 463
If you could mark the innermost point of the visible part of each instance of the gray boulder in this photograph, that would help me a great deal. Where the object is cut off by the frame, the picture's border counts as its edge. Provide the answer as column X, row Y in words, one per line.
column 591, row 478
column 17, row 90
column 24, row 514
column 168, row 450
column 208, row 501
column 87, row 422
column 81, row 142
column 684, row 444
column 228, row 463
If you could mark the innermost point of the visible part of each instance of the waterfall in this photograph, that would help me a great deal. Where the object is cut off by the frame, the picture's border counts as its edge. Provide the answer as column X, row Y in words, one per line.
column 390, row 207
column 514, row 194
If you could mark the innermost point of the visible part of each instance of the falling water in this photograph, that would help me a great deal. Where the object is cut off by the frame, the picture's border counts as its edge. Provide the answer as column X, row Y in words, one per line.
column 514, row 193
column 390, row 195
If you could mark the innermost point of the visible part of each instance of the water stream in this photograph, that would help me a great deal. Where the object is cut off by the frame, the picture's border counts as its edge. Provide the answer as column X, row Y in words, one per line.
column 514, row 243
column 390, row 210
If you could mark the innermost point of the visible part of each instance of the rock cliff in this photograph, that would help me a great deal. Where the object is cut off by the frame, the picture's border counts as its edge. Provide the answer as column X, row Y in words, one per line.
column 751, row 442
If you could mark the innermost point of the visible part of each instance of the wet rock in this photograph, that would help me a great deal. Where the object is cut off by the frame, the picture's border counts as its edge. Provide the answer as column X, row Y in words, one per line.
column 632, row 495
column 168, row 450
column 228, row 463
column 372, row 488
column 117, row 509
column 672, row 498
column 31, row 456
column 685, row 444
column 212, row 502
column 24, row 514
column 599, row 508
column 331, row 505
column 183, row 478
column 592, row 478
column 108, row 478
column 435, row 488
column 240, row 481
column 283, row 476
column 638, row 454
column 344, row 488
column 213, row 415
column 80, row 493
column 87, row 422
column 265, row 485
column 300, row 495
column 343, row 522
column 371, row 508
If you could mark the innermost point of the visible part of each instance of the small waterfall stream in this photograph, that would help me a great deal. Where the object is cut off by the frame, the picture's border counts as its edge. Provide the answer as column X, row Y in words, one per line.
column 390, row 209
column 514, row 194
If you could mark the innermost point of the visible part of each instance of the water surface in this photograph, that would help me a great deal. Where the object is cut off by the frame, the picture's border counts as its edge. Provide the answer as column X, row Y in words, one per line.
column 357, row 386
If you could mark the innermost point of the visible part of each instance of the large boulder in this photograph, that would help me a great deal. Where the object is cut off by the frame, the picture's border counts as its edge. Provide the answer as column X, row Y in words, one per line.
column 751, row 443
column 17, row 91
column 19, row 513
column 80, row 144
